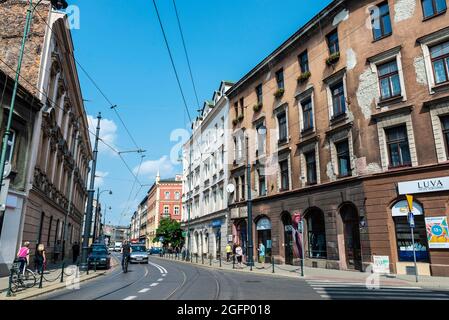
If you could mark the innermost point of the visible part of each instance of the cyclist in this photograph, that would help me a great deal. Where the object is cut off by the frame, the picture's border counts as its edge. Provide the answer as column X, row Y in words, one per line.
column 24, row 256
column 126, row 251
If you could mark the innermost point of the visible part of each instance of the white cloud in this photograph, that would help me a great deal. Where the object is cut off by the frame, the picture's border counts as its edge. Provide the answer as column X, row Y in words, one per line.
column 99, row 178
column 108, row 133
column 151, row 167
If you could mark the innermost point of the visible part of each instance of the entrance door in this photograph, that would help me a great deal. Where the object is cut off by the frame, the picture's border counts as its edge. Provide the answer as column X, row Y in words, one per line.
column 265, row 237
column 352, row 237
column 288, row 238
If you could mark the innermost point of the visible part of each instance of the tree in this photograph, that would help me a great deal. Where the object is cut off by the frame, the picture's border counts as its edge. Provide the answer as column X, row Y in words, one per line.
column 171, row 232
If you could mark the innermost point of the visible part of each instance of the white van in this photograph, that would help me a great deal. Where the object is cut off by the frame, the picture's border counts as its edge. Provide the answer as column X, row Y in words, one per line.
column 117, row 246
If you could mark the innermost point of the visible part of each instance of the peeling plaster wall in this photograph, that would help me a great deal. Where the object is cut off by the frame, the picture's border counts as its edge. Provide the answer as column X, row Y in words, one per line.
column 367, row 92
column 351, row 59
column 420, row 70
column 330, row 172
column 341, row 16
column 373, row 167
column 404, row 9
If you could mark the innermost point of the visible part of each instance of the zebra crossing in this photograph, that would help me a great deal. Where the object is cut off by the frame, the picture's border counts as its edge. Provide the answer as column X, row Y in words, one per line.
column 335, row 290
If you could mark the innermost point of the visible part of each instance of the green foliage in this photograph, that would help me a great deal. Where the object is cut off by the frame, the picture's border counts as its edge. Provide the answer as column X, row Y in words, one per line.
column 171, row 231
column 279, row 93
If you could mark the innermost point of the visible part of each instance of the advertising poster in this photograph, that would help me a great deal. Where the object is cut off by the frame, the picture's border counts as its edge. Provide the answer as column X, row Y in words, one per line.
column 437, row 232
column 381, row 264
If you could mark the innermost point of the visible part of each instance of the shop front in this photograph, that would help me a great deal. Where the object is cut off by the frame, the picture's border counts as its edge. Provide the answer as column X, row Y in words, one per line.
column 263, row 228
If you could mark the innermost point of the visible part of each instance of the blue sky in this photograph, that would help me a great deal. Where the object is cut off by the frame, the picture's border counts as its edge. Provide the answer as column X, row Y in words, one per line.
column 121, row 45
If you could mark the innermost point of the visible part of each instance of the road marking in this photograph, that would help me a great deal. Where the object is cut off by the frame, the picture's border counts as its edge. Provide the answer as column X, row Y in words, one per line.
column 144, row 290
column 160, row 279
column 164, row 274
column 130, row 298
column 160, row 268
column 154, row 284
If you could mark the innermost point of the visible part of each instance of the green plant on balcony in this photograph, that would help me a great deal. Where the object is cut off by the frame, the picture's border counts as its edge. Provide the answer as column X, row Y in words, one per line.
column 234, row 122
column 279, row 93
column 240, row 118
column 333, row 58
column 257, row 107
column 303, row 77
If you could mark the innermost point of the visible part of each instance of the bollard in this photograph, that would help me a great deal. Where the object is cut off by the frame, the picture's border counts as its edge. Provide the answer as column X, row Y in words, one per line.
column 202, row 258
column 41, row 279
column 219, row 259
column 210, row 260
column 9, row 293
column 233, row 262
column 196, row 258
column 272, row 264
column 95, row 265
column 87, row 271
column 62, row 272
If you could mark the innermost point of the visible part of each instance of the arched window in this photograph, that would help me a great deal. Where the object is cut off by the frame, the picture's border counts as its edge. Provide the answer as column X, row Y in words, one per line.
column 316, row 231
column 49, row 231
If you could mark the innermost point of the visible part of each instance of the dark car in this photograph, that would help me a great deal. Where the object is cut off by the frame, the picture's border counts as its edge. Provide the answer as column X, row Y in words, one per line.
column 99, row 255
column 155, row 250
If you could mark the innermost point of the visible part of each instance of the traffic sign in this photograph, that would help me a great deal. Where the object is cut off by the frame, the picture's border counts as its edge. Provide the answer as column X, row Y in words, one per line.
column 411, row 219
column 409, row 202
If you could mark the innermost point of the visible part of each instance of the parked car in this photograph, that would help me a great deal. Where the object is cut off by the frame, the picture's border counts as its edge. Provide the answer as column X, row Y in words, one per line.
column 99, row 255
column 138, row 254
column 155, row 250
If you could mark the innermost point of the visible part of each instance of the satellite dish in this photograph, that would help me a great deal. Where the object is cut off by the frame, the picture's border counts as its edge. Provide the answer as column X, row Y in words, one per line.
column 7, row 170
column 230, row 188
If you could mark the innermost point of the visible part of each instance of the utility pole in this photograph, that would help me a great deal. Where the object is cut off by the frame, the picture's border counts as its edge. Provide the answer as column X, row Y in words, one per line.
column 188, row 205
column 72, row 175
column 250, row 207
column 90, row 199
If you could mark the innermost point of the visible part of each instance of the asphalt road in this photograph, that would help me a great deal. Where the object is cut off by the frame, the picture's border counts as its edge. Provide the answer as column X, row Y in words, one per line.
column 171, row 280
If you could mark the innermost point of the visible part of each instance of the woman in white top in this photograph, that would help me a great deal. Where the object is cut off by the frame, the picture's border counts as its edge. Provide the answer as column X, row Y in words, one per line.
column 239, row 254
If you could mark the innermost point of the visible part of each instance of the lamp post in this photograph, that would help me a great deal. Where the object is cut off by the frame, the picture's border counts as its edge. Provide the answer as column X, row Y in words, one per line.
column 249, row 204
column 97, row 211
column 56, row 4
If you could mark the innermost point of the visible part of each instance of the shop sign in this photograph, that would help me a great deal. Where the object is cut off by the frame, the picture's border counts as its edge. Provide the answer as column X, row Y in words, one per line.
column 216, row 224
column 263, row 224
column 437, row 232
column 400, row 209
column 381, row 264
column 425, row 185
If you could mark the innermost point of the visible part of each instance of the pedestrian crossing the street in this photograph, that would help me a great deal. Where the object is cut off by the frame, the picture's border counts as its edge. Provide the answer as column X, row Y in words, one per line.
column 335, row 290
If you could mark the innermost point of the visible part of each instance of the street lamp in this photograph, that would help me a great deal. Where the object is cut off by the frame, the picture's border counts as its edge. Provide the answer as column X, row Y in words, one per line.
column 97, row 211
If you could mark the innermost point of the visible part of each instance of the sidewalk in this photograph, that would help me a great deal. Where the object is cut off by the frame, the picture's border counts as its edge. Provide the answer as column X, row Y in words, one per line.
column 52, row 281
column 325, row 274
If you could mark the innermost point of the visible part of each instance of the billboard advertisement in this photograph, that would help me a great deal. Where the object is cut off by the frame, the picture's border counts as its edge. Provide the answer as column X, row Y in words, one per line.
column 437, row 232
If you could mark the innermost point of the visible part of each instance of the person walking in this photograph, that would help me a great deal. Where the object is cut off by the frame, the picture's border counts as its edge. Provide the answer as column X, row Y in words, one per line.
column 261, row 250
column 75, row 251
column 40, row 259
column 239, row 255
column 228, row 251
column 23, row 255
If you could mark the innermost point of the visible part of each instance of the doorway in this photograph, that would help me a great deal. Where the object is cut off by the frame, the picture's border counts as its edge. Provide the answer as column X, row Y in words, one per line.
column 351, row 236
column 263, row 227
column 288, row 237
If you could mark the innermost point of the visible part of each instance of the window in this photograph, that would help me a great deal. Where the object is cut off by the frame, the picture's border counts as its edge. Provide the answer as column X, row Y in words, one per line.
column 166, row 210
column 432, row 8
column 10, row 146
column 311, row 167
column 177, row 195
column 259, row 93
column 236, row 109
column 283, row 166
column 445, row 126
column 398, row 148
column 167, row 195
column 242, row 182
column 390, row 85
column 316, row 230
column 49, row 230
column 332, row 42
column 439, row 55
column 176, row 210
column 404, row 241
column 262, row 187
column 242, row 107
column 237, row 189
column 338, row 99
column 380, row 20
column 282, row 122
column 307, row 114
column 304, row 62
column 280, row 79
column 344, row 162
column 261, row 134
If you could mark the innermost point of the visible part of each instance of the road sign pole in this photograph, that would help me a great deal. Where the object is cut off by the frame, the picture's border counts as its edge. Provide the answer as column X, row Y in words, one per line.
column 411, row 221
column 414, row 254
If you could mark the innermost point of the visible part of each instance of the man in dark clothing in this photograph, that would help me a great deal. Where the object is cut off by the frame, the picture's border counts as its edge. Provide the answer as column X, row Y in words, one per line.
column 126, row 251
column 75, row 251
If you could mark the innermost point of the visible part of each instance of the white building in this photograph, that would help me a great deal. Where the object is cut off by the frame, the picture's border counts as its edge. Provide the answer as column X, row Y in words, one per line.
column 205, row 176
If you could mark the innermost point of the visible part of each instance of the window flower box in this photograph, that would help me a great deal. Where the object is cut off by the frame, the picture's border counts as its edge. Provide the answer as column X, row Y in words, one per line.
column 234, row 122
column 303, row 77
column 240, row 118
column 333, row 58
column 257, row 107
column 279, row 93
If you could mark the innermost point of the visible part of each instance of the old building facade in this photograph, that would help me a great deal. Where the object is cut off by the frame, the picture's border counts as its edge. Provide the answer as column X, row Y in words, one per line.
column 205, row 178
column 355, row 102
column 61, row 150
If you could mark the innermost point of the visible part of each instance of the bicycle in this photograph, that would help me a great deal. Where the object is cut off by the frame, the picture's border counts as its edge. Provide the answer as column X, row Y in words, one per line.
column 125, row 264
column 25, row 279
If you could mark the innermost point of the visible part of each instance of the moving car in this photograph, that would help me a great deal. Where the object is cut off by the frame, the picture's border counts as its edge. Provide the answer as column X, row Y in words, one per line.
column 138, row 254
column 155, row 250
column 117, row 246
column 99, row 255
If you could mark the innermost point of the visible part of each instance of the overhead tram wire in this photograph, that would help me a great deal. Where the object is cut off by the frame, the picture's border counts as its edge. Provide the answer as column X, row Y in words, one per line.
column 186, row 54
column 112, row 106
column 172, row 61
